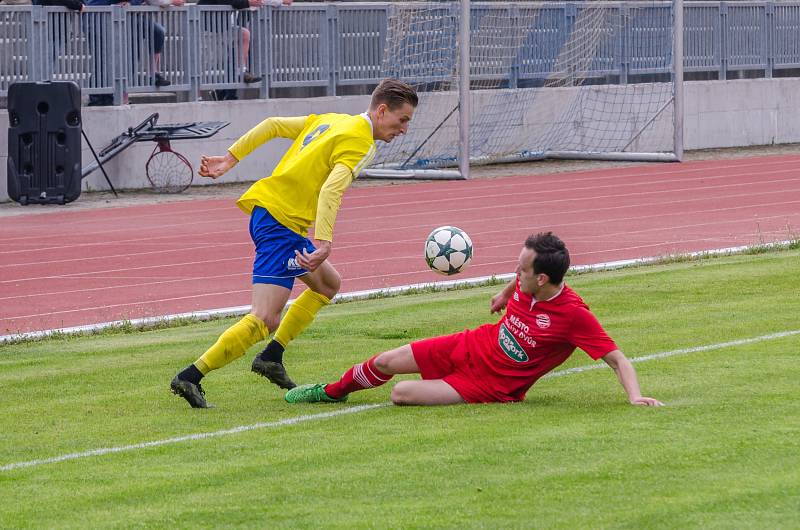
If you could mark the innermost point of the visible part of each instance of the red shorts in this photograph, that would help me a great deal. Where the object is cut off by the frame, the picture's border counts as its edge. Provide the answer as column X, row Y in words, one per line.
column 448, row 358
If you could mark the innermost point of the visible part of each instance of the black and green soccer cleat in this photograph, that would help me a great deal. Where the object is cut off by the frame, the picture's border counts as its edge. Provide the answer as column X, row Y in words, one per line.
column 311, row 394
column 193, row 393
column 275, row 372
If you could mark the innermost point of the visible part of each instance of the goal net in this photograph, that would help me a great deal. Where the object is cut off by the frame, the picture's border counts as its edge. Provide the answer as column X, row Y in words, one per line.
column 591, row 79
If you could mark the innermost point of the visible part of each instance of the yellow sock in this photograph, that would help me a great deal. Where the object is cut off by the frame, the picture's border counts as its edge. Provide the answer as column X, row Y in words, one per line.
column 300, row 314
column 232, row 344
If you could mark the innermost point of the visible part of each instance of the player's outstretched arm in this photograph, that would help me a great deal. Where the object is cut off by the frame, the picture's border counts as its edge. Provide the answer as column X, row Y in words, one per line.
column 627, row 378
column 216, row 166
column 274, row 127
column 500, row 300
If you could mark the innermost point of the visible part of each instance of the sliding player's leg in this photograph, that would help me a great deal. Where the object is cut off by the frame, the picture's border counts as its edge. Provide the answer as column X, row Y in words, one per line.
column 373, row 372
column 440, row 361
column 377, row 371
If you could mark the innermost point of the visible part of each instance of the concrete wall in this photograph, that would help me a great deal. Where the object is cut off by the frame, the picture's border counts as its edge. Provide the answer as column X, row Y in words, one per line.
column 718, row 114
column 742, row 112
column 127, row 170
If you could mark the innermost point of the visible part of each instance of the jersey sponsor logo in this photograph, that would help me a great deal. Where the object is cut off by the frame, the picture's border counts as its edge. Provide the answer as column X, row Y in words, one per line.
column 292, row 265
column 543, row 321
column 508, row 343
column 313, row 135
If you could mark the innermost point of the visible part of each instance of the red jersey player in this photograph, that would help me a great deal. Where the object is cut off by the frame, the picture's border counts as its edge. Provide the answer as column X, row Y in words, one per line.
column 544, row 322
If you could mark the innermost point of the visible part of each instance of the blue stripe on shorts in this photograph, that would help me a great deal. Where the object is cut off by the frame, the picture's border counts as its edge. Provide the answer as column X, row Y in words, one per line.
column 275, row 245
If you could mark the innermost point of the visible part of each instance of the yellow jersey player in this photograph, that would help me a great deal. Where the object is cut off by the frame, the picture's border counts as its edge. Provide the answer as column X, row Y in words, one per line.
column 328, row 152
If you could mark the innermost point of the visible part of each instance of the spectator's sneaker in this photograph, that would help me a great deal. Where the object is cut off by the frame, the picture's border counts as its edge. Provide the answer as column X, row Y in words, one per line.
column 224, row 95
column 250, row 78
column 100, row 100
column 193, row 393
column 159, row 80
column 310, row 394
column 275, row 372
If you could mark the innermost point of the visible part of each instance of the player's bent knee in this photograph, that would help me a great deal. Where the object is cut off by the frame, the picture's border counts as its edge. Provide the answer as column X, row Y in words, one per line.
column 397, row 361
column 327, row 292
column 332, row 284
column 383, row 362
column 326, row 282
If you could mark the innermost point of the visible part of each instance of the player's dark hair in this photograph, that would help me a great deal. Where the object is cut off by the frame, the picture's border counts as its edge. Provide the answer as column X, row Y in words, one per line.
column 393, row 93
column 552, row 256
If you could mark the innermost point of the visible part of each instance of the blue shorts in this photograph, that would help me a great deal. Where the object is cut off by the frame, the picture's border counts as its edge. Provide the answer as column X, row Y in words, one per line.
column 275, row 245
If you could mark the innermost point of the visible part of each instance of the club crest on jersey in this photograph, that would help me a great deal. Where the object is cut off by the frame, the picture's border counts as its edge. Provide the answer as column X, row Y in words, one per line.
column 316, row 133
column 508, row 343
column 516, row 296
column 543, row 321
column 292, row 265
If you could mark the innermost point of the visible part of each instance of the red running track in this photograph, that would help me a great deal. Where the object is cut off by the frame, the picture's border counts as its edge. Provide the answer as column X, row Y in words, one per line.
column 67, row 268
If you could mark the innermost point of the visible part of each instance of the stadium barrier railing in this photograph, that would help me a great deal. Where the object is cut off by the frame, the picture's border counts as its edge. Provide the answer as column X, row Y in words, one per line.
column 109, row 50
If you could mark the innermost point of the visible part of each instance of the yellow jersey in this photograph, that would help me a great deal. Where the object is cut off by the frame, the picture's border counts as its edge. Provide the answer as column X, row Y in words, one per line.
column 292, row 194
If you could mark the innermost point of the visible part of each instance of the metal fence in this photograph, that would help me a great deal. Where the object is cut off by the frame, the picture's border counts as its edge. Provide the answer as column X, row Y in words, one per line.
column 116, row 50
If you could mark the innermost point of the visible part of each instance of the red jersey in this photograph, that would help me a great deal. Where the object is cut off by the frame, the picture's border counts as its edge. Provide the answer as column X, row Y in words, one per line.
column 533, row 338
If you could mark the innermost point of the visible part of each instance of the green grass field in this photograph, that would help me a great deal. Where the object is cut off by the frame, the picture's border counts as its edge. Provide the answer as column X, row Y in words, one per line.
column 723, row 453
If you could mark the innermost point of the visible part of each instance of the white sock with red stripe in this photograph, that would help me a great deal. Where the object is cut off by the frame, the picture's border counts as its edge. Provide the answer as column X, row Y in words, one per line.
column 359, row 377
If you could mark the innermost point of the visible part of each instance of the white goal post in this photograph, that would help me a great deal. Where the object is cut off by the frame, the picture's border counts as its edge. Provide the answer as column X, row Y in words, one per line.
column 512, row 81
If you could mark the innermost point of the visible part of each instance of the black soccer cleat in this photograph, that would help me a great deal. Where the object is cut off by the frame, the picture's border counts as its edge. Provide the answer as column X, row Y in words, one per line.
column 275, row 372
column 193, row 393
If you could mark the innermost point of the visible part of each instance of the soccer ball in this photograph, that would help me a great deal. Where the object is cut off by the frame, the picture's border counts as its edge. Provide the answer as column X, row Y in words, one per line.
column 448, row 250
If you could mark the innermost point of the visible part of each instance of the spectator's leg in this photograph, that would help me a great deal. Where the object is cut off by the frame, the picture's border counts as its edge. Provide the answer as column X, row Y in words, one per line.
column 94, row 28
column 247, row 77
column 245, row 47
column 158, row 34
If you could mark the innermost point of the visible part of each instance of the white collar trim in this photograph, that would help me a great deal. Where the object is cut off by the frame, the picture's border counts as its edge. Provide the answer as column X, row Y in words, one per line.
column 365, row 115
column 560, row 289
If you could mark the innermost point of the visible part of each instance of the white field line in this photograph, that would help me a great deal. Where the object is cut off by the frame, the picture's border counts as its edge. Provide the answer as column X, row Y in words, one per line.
column 190, row 437
column 360, row 408
column 371, row 293
column 681, row 351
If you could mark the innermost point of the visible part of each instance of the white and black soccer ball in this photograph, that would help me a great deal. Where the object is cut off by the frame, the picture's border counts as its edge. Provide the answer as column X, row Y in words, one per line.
column 448, row 250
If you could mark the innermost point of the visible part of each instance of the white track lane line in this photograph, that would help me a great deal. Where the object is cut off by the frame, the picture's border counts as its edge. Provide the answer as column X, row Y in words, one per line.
column 358, row 295
column 570, row 211
column 476, row 235
column 477, row 193
column 360, row 408
column 191, row 244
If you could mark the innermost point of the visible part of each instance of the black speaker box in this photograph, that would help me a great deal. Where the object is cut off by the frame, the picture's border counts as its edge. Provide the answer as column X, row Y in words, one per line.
column 44, row 142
